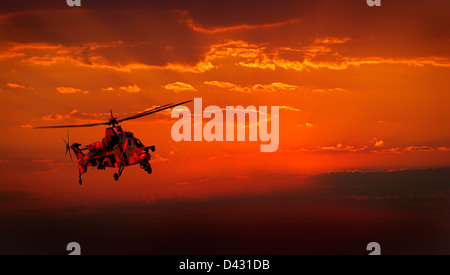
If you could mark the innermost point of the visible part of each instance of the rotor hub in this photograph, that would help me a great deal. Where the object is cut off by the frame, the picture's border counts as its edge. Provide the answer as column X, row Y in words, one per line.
column 113, row 121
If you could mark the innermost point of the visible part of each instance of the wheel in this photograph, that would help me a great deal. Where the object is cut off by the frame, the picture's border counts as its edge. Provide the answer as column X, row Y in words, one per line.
column 116, row 176
column 148, row 168
column 80, row 182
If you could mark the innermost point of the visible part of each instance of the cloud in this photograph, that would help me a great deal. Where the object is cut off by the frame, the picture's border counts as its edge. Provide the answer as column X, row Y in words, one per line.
column 26, row 126
column 128, row 89
column 131, row 88
column 320, row 54
column 198, row 28
column 344, row 182
column 229, row 86
column 70, row 90
column 58, row 117
column 274, row 87
column 330, row 90
column 375, row 146
column 310, row 125
column 340, row 147
column 236, row 49
column 377, row 143
column 191, row 24
column 332, row 40
column 221, row 84
column 18, row 86
column 96, row 56
column 14, row 85
column 408, row 149
column 418, row 149
column 108, row 89
column 3, row 161
column 157, row 158
column 199, row 67
column 123, row 44
column 289, row 108
column 179, row 87
column 408, row 203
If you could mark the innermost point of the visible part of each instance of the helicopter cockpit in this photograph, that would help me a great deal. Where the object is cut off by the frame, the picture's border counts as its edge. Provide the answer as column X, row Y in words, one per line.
column 138, row 143
column 133, row 143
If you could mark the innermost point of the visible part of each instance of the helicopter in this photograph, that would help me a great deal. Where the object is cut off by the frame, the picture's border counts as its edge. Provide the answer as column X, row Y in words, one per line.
column 118, row 149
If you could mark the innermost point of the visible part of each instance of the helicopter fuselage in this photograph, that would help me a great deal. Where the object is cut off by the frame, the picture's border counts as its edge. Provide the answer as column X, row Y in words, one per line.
column 116, row 150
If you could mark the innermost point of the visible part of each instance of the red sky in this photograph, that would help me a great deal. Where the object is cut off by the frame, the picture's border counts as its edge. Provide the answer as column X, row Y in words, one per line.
column 360, row 88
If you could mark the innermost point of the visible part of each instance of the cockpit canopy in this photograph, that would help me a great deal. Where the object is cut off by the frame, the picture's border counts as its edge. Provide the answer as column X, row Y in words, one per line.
column 133, row 143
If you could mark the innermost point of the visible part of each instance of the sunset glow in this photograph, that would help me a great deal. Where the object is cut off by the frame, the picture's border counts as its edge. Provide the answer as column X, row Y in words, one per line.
column 358, row 88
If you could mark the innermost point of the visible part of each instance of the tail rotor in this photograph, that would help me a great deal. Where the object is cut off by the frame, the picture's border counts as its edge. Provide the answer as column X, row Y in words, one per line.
column 67, row 143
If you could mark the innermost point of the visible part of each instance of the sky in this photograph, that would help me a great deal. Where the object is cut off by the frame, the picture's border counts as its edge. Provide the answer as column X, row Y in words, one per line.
column 360, row 89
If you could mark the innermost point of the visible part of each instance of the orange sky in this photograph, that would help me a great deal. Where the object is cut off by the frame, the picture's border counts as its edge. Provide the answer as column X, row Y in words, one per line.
column 360, row 88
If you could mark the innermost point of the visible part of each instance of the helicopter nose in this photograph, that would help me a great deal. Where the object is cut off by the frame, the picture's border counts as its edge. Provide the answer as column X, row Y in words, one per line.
column 145, row 156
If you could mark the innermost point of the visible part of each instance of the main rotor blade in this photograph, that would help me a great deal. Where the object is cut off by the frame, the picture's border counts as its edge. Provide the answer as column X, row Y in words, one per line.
column 145, row 113
column 70, row 154
column 72, row 126
column 152, row 111
column 139, row 114
column 65, row 143
column 68, row 146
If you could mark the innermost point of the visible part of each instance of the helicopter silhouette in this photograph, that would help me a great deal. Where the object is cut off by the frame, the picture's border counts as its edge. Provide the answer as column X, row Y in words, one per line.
column 118, row 149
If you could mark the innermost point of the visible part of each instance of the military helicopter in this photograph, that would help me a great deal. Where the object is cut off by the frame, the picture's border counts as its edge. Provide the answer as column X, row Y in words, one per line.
column 117, row 149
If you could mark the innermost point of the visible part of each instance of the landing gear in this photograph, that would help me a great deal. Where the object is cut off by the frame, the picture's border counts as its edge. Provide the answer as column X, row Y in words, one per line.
column 117, row 175
column 149, row 169
column 79, row 180
column 146, row 166
column 121, row 167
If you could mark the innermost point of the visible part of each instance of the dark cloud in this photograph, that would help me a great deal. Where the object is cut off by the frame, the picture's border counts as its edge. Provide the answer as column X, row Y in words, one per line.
column 307, row 219
column 413, row 184
column 123, row 37
column 160, row 32
column 210, row 13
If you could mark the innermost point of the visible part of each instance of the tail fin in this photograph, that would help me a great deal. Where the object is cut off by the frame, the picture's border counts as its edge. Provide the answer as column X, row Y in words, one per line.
column 76, row 150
